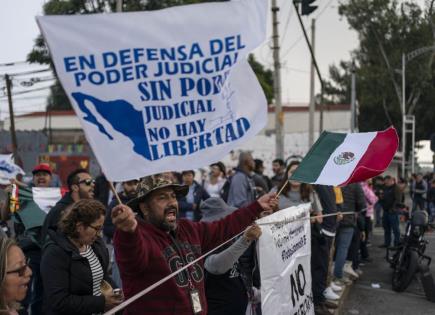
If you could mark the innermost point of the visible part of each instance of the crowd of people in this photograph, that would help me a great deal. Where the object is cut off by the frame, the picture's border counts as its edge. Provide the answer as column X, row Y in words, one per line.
column 92, row 251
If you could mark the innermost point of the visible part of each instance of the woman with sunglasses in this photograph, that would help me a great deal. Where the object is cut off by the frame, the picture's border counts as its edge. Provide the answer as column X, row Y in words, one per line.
column 14, row 276
column 75, row 262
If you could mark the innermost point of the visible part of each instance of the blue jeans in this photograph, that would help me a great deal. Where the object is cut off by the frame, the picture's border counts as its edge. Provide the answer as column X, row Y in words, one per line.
column 378, row 214
column 418, row 202
column 342, row 244
column 431, row 207
column 390, row 222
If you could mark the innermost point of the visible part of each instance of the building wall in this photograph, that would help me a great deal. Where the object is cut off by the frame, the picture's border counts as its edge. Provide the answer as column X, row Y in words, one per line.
column 297, row 122
column 40, row 122
column 66, row 129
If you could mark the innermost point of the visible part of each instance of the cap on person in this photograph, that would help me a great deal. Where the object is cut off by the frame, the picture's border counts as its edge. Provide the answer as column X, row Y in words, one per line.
column 43, row 167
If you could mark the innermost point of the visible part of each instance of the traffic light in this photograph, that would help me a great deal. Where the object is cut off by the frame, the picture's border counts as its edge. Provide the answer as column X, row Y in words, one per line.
column 307, row 8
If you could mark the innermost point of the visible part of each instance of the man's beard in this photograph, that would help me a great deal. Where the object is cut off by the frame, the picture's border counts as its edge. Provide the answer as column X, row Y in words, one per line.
column 162, row 223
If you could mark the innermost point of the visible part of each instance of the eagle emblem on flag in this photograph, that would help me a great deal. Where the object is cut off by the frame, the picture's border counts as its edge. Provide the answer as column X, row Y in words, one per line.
column 344, row 158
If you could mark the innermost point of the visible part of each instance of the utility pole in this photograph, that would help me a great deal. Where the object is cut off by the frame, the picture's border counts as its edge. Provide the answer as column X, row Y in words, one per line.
column 118, row 5
column 12, row 118
column 307, row 8
column 279, row 117
column 352, row 99
column 312, row 105
column 403, row 117
column 321, row 110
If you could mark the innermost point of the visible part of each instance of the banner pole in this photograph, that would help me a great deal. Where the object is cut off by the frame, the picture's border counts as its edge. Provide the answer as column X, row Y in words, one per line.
column 112, row 188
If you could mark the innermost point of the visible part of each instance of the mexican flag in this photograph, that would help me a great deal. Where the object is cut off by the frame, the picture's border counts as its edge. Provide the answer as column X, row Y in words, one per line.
column 339, row 159
column 33, row 204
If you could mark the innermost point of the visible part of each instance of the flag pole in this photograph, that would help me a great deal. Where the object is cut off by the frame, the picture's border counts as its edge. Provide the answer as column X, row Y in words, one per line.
column 282, row 188
column 112, row 188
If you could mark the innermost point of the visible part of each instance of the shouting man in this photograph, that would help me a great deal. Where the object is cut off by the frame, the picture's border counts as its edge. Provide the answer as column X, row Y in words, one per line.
column 157, row 244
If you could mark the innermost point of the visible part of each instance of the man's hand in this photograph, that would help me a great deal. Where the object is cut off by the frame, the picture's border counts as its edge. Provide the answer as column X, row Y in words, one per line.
column 339, row 216
column 124, row 218
column 269, row 202
column 252, row 233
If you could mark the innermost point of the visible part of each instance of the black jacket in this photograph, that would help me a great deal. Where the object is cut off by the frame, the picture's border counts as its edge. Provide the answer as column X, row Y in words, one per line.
column 327, row 200
column 391, row 198
column 431, row 195
column 102, row 190
column 67, row 277
column 109, row 227
column 353, row 201
column 53, row 217
column 226, row 293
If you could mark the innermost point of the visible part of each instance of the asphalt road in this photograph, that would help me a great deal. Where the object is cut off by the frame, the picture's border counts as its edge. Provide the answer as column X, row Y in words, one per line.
column 363, row 299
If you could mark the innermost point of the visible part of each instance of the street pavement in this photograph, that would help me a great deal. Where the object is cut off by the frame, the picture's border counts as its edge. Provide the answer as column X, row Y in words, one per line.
column 364, row 299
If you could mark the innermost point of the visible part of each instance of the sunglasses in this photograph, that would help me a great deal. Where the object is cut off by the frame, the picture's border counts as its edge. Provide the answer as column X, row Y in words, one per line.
column 20, row 271
column 87, row 182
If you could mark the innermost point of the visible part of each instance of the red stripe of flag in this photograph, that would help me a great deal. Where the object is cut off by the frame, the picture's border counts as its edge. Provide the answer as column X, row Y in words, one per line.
column 377, row 157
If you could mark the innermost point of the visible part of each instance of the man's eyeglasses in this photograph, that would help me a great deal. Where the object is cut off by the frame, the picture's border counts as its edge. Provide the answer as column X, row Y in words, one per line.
column 87, row 182
column 20, row 271
column 98, row 229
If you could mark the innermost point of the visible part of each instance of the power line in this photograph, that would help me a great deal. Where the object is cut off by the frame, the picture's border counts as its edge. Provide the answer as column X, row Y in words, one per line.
column 13, row 63
column 296, row 42
column 296, row 69
column 29, row 72
column 287, row 24
column 35, row 80
column 324, row 9
column 26, row 98
column 29, row 91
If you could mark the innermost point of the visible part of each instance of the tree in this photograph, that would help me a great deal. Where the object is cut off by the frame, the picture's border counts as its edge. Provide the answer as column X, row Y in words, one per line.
column 40, row 54
column 386, row 28
column 264, row 76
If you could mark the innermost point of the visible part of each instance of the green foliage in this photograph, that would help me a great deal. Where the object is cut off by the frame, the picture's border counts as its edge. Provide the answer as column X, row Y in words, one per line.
column 39, row 54
column 386, row 29
column 264, row 76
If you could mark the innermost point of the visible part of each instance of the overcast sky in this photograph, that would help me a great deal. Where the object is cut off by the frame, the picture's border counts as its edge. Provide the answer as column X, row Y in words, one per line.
column 334, row 41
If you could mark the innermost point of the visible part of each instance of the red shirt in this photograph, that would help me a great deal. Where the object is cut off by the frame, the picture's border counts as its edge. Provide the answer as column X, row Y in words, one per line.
column 149, row 254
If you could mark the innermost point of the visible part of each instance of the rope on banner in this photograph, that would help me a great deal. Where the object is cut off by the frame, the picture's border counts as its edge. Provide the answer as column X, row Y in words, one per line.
column 155, row 285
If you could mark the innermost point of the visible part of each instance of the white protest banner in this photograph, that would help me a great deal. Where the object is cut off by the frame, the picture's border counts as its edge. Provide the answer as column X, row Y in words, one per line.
column 162, row 90
column 284, row 254
column 8, row 169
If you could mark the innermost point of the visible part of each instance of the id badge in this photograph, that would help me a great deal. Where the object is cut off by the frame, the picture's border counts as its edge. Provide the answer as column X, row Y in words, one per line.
column 196, row 301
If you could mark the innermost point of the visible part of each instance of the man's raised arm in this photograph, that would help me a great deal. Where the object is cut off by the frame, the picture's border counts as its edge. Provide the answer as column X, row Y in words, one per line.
column 131, row 253
column 215, row 233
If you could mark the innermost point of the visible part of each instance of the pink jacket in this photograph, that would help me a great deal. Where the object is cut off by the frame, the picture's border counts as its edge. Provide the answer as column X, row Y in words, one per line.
column 371, row 199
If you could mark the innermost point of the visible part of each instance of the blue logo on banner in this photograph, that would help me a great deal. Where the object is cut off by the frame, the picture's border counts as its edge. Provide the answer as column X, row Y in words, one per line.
column 8, row 168
column 122, row 116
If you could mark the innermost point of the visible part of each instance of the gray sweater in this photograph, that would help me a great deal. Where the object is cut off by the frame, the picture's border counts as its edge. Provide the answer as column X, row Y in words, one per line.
column 220, row 263
column 242, row 190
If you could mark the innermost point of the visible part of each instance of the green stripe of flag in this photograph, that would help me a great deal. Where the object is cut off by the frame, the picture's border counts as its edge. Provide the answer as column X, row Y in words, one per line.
column 312, row 164
column 30, row 214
